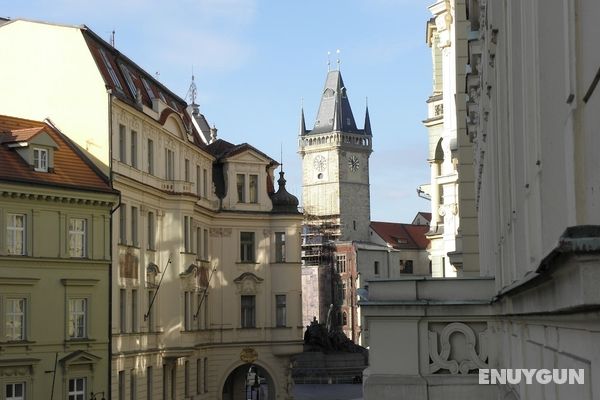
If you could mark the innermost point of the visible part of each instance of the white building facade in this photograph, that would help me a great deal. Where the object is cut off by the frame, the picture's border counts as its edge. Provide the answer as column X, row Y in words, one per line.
column 531, row 110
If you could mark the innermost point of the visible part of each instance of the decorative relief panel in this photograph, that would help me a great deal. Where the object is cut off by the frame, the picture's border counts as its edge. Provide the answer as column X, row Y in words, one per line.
column 463, row 348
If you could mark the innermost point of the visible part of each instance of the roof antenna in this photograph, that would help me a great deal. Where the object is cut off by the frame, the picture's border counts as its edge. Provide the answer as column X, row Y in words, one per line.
column 328, row 61
column 112, row 38
column 338, row 59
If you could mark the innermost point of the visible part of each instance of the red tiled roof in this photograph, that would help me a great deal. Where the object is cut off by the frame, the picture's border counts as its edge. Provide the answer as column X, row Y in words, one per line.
column 117, row 60
column 71, row 168
column 402, row 236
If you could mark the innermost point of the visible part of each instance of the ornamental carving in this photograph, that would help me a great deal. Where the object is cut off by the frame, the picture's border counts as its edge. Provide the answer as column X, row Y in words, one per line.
column 462, row 351
column 248, row 283
column 220, row 232
column 15, row 371
column 248, row 355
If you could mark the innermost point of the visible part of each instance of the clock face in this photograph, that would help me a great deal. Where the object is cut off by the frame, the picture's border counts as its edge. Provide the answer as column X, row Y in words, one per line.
column 353, row 163
column 319, row 163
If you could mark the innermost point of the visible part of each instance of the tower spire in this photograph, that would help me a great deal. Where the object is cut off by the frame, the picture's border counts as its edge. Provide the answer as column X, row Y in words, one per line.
column 367, row 128
column 302, row 122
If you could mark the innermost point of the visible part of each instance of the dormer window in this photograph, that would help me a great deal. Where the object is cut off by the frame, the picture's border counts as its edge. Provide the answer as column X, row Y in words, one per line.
column 40, row 160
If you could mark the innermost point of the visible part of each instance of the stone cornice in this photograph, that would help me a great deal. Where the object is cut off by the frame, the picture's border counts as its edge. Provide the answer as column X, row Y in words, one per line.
column 104, row 200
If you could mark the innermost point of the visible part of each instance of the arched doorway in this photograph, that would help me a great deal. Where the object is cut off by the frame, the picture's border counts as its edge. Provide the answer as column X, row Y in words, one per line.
column 249, row 382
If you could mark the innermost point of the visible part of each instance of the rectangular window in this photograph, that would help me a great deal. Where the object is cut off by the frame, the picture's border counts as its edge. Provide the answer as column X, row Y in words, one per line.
column 340, row 263
column 15, row 319
column 198, row 182
column 248, row 311
column 186, row 379
column 203, row 312
column 247, row 246
column 187, row 310
column 241, row 188
column 15, row 391
column 280, row 246
column 151, row 231
column 198, row 243
column 151, row 327
column 406, row 266
column 280, row 312
column 134, row 226
column 77, row 237
column 121, row 385
column 40, row 160
column 187, row 234
column 132, row 385
column 205, row 245
column 198, row 376
column 253, row 188
column 169, row 165
column 123, row 310
column 134, row 311
column 77, row 389
column 16, row 234
column 205, row 183
column 111, row 71
column 129, row 80
column 151, row 156
column 123, row 224
column 77, row 318
column 134, row 149
column 186, row 170
column 376, row 267
column 122, row 144
column 205, row 373
column 149, row 383
column 148, row 88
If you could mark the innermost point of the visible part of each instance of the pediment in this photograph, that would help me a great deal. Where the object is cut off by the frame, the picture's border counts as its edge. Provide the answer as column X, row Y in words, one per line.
column 79, row 357
column 43, row 139
column 248, row 283
column 249, row 156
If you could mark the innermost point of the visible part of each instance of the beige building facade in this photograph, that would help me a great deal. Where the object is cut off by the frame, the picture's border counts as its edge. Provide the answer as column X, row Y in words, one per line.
column 55, row 211
column 453, row 232
column 531, row 102
column 206, row 267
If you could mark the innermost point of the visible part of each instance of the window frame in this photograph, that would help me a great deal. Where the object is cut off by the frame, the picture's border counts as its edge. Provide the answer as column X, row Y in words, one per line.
column 14, row 396
column 150, row 156
column 280, row 319
column 248, row 311
column 247, row 248
column 151, row 231
column 73, row 315
column 38, row 167
column 23, row 323
column 134, row 149
column 73, row 394
column 240, row 182
column 280, row 247
column 81, row 233
column 13, row 230
column 122, row 144
column 135, row 240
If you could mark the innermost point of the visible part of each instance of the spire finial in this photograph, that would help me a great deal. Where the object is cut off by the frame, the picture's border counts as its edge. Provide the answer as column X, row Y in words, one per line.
column 338, row 59
column 193, row 90
column 281, row 157
column 328, row 61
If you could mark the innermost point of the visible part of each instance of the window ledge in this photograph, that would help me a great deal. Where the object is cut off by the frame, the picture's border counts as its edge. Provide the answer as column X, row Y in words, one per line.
column 248, row 262
column 15, row 343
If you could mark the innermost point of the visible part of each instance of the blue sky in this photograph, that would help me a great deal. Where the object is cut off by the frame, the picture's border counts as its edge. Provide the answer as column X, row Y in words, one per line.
column 255, row 59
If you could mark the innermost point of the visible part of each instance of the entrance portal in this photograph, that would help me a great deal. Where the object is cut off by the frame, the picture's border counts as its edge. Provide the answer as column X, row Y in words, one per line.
column 249, row 382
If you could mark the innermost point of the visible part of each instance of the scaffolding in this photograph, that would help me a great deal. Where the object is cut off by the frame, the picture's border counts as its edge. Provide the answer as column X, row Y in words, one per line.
column 318, row 237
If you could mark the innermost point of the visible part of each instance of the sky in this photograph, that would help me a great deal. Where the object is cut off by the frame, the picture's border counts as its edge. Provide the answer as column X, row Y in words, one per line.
column 256, row 61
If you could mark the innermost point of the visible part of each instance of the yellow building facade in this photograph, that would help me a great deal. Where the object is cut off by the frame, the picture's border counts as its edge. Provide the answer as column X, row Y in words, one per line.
column 54, row 266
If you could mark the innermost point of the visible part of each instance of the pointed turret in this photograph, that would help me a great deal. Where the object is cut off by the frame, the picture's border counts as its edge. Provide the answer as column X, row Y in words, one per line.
column 283, row 201
column 335, row 113
column 302, row 123
column 367, row 123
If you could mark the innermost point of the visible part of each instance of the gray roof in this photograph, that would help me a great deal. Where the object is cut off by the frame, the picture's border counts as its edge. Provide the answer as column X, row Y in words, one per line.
column 335, row 113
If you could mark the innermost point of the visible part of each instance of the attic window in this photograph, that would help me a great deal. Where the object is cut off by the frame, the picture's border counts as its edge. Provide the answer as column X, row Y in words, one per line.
column 111, row 71
column 40, row 160
column 129, row 80
column 162, row 97
column 148, row 88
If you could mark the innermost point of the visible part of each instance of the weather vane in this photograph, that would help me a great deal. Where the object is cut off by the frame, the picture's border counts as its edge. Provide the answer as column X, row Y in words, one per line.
column 338, row 59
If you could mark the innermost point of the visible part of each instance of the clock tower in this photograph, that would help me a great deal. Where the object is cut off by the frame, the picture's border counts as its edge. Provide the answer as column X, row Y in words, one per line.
column 335, row 165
